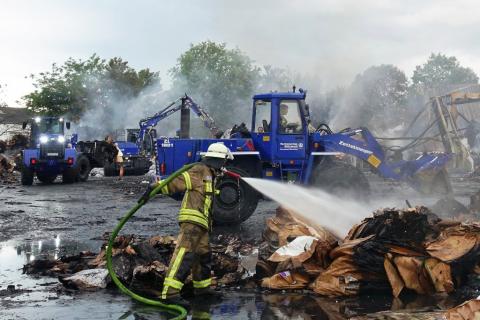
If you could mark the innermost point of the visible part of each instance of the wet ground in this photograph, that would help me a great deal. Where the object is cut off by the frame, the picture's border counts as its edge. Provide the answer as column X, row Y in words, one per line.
column 64, row 219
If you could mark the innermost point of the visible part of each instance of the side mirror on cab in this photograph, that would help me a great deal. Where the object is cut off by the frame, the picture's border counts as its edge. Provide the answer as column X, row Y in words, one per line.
column 24, row 125
column 67, row 124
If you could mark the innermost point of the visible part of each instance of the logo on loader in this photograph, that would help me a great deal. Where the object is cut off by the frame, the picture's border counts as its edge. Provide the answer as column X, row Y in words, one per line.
column 351, row 146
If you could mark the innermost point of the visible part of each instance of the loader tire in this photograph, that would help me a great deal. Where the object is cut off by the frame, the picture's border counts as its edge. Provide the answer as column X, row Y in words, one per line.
column 341, row 179
column 236, row 201
column 70, row 175
column 26, row 176
column 83, row 165
column 46, row 178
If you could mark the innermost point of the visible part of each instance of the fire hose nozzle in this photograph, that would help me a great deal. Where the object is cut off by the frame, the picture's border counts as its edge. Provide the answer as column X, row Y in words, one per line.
column 231, row 174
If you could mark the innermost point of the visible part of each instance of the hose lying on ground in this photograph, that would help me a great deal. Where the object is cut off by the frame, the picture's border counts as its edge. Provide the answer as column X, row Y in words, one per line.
column 182, row 313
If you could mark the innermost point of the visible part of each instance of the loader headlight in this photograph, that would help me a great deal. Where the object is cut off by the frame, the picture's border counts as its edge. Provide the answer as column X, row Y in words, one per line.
column 43, row 139
column 61, row 139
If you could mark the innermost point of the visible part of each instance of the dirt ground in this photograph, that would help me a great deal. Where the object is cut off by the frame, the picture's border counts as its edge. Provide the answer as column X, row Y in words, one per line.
column 59, row 219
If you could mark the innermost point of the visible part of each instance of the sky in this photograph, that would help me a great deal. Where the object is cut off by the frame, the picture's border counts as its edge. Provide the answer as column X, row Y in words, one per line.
column 328, row 40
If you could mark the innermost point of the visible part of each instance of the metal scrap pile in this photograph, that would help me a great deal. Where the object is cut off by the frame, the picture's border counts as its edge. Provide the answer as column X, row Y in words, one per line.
column 397, row 250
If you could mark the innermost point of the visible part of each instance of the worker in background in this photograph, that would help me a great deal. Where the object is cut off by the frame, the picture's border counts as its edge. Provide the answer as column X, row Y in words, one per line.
column 192, row 252
column 117, row 155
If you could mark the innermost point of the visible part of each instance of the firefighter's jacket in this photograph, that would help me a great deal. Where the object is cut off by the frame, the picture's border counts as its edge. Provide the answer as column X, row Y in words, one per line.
column 197, row 183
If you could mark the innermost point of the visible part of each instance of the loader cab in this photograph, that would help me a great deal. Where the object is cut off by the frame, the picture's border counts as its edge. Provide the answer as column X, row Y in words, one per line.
column 47, row 129
column 48, row 135
column 280, row 127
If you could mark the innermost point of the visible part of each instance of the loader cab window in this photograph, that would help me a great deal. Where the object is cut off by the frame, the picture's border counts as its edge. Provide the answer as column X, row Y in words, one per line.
column 263, row 117
column 290, row 120
column 47, row 125
column 132, row 135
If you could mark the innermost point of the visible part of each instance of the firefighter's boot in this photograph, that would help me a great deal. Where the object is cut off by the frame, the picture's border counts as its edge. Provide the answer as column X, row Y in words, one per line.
column 177, row 300
column 208, row 293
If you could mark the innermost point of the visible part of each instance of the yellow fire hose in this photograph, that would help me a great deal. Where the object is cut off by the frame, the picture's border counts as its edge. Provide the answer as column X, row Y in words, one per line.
column 181, row 311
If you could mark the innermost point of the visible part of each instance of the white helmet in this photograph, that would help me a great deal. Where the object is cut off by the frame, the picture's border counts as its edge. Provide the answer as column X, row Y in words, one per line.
column 218, row 150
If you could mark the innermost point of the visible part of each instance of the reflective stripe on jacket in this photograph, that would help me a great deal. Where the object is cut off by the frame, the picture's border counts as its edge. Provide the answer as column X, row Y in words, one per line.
column 197, row 183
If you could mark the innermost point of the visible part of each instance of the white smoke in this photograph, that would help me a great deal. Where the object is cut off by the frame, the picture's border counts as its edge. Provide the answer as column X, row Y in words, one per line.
column 113, row 111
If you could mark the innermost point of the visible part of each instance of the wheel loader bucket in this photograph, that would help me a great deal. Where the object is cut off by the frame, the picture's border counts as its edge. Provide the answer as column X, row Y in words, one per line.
column 433, row 182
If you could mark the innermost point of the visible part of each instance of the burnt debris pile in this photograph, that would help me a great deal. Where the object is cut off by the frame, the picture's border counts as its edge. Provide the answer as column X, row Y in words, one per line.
column 7, row 167
column 10, row 158
column 142, row 263
column 396, row 251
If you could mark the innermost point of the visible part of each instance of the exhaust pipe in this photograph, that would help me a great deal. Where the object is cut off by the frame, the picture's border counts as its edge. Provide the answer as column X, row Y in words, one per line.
column 184, row 121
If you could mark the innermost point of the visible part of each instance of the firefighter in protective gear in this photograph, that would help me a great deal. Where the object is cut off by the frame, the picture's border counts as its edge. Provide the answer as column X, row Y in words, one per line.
column 192, row 253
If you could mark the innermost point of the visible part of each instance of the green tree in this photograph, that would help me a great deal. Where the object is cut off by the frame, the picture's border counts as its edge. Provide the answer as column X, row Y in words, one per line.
column 79, row 85
column 221, row 79
column 440, row 73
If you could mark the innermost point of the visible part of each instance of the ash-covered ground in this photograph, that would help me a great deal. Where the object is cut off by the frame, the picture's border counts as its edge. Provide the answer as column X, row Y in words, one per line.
column 64, row 219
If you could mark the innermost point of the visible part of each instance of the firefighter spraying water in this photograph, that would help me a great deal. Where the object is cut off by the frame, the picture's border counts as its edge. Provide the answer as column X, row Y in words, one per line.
column 192, row 253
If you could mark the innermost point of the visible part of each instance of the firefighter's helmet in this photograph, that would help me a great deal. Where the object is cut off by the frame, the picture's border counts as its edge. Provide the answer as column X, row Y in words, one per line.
column 218, row 150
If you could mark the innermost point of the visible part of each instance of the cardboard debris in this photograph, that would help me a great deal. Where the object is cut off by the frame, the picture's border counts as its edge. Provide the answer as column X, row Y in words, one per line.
column 453, row 242
column 285, row 227
column 393, row 275
column 297, row 251
column 413, row 274
column 293, row 247
column 394, row 250
column 466, row 311
column 340, row 279
column 440, row 275
column 286, row 280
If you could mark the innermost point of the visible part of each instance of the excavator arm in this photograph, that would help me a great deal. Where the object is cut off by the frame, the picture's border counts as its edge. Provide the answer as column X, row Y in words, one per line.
column 173, row 107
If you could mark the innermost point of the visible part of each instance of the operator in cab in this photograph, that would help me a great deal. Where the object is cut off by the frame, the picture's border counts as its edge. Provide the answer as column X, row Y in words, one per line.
column 283, row 117
column 284, row 125
column 192, row 253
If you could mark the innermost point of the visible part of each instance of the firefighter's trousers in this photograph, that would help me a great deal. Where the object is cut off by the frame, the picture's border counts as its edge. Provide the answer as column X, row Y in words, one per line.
column 192, row 254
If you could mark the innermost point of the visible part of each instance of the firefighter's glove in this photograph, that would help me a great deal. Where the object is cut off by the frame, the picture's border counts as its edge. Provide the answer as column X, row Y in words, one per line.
column 146, row 195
